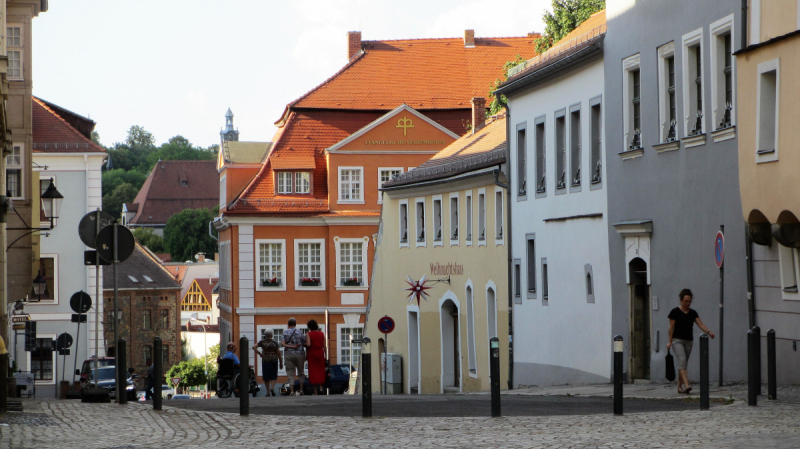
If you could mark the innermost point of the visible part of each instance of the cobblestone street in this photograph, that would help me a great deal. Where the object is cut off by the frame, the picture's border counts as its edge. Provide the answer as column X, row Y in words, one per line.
column 70, row 424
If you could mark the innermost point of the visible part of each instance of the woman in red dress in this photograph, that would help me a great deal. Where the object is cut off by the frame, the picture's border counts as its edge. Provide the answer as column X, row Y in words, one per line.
column 315, row 355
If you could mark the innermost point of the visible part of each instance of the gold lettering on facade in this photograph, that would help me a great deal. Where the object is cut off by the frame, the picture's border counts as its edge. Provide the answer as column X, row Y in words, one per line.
column 445, row 270
column 404, row 123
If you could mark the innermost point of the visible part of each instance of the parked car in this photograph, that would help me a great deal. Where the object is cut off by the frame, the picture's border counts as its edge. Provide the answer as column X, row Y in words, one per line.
column 167, row 391
column 106, row 380
column 89, row 365
column 181, row 396
column 338, row 379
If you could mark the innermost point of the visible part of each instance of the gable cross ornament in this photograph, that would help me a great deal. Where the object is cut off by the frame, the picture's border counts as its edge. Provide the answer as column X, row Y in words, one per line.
column 404, row 123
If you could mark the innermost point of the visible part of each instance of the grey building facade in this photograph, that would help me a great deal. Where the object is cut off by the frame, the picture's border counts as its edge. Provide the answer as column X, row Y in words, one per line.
column 672, row 165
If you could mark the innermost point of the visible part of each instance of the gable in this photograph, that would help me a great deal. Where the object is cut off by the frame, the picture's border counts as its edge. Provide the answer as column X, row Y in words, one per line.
column 195, row 300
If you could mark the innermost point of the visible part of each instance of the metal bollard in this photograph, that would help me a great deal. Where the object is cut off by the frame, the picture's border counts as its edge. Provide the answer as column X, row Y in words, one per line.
column 757, row 331
column 244, row 376
column 3, row 376
column 121, row 388
column 772, row 366
column 494, row 374
column 704, row 399
column 752, row 366
column 366, row 378
column 158, row 372
column 618, row 374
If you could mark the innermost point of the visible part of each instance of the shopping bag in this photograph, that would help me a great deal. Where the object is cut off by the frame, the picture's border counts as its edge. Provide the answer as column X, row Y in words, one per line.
column 670, row 367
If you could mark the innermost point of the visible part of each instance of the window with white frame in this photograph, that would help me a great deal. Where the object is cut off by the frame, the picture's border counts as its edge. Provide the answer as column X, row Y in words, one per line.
column 302, row 182
column 222, row 190
column 14, row 44
column 575, row 146
column 517, row 278
column 48, row 269
column 42, row 359
column 668, row 129
column 225, row 264
column 471, row 353
column 310, row 263
column 597, row 143
column 545, row 281
column 789, row 259
column 350, row 184
column 498, row 214
column 693, row 83
column 541, row 157
column 767, row 117
column 530, row 263
column 522, row 161
column 404, row 223
column 351, row 263
column 468, row 203
column 271, row 256
column 345, row 351
column 14, row 167
column 437, row 219
column 420, row 231
column 454, row 217
column 632, row 109
column 284, row 182
column 561, row 151
column 722, row 76
column 385, row 175
column 481, row 216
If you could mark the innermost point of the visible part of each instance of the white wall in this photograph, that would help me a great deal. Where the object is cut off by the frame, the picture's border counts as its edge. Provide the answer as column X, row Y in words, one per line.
column 197, row 344
column 567, row 340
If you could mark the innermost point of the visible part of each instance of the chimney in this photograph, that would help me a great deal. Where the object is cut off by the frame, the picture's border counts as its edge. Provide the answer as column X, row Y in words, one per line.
column 353, row 43
column 478, row 114
column 469, row 38
column 216, row 257
column 201, row 257
column 209, row 280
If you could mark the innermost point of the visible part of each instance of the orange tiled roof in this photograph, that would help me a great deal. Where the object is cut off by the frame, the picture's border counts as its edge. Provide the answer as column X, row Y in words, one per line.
column 52, row 134
column 595, row 20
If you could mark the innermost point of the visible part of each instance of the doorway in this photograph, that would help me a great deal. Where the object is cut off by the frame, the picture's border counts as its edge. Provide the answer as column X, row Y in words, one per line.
column 451, row 375
column 413, row 352
column 640, row 319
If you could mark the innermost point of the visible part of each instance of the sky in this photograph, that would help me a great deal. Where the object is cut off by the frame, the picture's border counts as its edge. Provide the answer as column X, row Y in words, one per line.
column 175, row 66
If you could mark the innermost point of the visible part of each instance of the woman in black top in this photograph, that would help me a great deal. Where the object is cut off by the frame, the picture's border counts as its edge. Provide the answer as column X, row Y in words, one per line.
column 681, row 338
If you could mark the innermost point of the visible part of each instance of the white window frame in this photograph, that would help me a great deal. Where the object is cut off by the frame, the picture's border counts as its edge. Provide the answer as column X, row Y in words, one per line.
column 406, row 244
column 55, row 354
column 360, row 199
column 418, row 223
column 257, row 264
column 380, row 183
column 281, row 183
column 225, row 264
column 665, row 52
column 20, row 48
column 472, row 353
column 789, row 260
column 482, row 217
column 297, row 277
column 55, row 281
column 454, row 219
column 716, row 31
column 692, row 39
column 438, row 199
column 222, row 190
column 499, row 211
column 339, row 349
column 295, row 179
column 468, row 213
column 490, row 285
column 364, row 262
column 629, row 65
column 764, row 67
column 20, row 167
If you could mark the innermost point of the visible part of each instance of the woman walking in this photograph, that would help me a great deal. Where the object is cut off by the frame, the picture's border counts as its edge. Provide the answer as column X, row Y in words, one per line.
column 270, row 354
column 681, row 335
column 315, row 354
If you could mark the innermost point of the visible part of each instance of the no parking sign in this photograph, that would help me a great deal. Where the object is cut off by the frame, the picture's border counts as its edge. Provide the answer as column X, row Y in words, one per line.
column 719, row 249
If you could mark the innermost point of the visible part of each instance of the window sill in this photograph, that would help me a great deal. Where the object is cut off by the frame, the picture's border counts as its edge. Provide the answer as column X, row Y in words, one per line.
column 724, row 134
column 361, row 288
column 438, row 243
column 667, row 147
column 350, row 202
column 531, row 294
column 423, row 244
column 766, row 156
column 473, row 374
column 468, row 243
column 454, row 242
column 694, row 141
column 310, row 288
column 404, row 245
column 631, row 154
column 499, row 242
column 281, row 288
column 481, row 242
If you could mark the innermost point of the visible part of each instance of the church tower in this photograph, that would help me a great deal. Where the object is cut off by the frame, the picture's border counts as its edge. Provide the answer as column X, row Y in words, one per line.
column 228, row 133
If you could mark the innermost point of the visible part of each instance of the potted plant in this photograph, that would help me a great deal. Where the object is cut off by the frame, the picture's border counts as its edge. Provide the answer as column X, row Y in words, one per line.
column 309, row 282
column 352, row 282
column 274, row 282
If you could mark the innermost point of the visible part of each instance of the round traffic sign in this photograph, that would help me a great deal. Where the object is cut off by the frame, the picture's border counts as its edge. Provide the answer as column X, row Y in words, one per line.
column 80, row 302
column 88, row 229
column 386, row 325
column 105, row 243
column 63, row 341
column 719, row 249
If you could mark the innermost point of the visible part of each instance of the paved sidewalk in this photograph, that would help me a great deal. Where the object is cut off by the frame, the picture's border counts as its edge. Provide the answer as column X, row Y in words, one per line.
column 647, row 390
column 70, row 424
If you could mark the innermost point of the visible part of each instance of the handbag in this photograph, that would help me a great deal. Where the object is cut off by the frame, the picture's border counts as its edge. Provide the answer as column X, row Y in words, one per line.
column 670, row 375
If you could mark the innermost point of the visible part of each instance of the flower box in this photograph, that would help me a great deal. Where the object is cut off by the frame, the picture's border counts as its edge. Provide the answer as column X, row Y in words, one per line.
column 309, row 282
column 274, row 282
column 352, row 282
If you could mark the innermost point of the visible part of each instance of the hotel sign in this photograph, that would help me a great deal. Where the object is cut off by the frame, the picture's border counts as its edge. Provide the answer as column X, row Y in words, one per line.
column 453, row 269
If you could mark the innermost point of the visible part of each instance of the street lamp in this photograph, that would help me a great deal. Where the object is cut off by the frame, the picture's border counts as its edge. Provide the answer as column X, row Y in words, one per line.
column 205, row 345
column 39, row 286
column 51, row 203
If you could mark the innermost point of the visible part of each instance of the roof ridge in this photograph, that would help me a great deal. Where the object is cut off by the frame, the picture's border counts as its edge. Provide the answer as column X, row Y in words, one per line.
column 151, row 255
column 70, row 127
column 446, row 39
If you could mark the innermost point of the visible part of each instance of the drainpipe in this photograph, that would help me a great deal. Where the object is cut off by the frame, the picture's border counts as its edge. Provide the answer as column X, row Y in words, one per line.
column 744, row 26
column 751, row 294
column 508, row 248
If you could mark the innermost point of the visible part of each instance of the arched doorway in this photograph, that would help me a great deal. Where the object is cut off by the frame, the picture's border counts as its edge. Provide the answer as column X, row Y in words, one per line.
column 640, row 345
column 451, row 375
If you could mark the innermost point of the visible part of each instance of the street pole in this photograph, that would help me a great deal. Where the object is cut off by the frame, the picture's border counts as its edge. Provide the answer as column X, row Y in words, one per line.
column 618, row 374
column 772, row 366
column 494, row 374
column 116, row 308
column 757, row 331
column 365, row 366
column 721, row 309
column 97, row 297
column 244, row 376
column 704, row 399
column 158, row 374
column 752, row 396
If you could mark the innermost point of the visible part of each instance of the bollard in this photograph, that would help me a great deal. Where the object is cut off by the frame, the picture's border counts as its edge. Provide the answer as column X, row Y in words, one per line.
column 618, row 374
column 158, row 374
column 772, row 365
column 752, row 397
column 244, row 376
column 704, row 400
column 366, row 378
column 494, row 373
column 121, row 388
column 757, row 331
column 3, row 376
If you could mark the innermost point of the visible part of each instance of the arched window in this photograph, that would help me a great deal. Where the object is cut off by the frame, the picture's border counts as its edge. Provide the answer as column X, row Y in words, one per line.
column 473, row 365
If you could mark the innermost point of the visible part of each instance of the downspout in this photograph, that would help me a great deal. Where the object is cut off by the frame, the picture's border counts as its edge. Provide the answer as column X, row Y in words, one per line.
column 509, row 235
column 751, row 294
column 744, row 25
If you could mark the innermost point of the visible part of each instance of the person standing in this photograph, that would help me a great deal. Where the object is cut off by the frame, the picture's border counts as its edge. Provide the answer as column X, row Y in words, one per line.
column 315, row 342
column 271, row 358
column 681, row 335
column 148, row 391
column 293, row 342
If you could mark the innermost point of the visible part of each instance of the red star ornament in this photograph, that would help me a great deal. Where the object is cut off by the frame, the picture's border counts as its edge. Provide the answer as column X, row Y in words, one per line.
column 417, row 289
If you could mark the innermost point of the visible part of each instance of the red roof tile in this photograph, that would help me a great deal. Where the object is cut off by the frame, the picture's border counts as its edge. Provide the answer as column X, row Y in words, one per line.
column 52, row 134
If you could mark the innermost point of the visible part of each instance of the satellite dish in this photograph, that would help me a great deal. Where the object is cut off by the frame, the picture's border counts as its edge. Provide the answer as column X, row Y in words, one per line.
column 87, row 229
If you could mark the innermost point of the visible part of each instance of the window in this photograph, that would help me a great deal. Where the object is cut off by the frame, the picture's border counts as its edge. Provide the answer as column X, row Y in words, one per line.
column 163, row 319
column 147, row 353
column 110, row 321
column 294, row 182
column 471, row 356
column 42, row 358
column 225, row 264
column 302, row 182
column 541, row 170
column 631, row 111
column 636, row 109
column 481, row 217
column 530, row 262
column 146, row 319
column 14, row 43
column 498, row 214
column 284, row 182
column 420, row 221
column 310, row 263
column 454, row 218
column 589, row 278
column 668, row 117
column 727, row 75
column 14, row 165
column 545, row 285
column 222, row 190
column 271, row 254
column 575, row 146
column 350, row 184
column 517, row 279
column 469, row 217
column 597, row 132
column 404, row 223
column 561, row 151
column 351, row 264
column 767, row 117
column 48, row 269
column 437, row 219
column 344, row 345
column 385, row 175
column 789, row 259
column 722, row 82
column 693, row 83
column 522, row 161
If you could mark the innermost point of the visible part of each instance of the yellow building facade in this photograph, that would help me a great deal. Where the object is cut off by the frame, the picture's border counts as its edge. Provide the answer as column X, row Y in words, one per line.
column 442, row 228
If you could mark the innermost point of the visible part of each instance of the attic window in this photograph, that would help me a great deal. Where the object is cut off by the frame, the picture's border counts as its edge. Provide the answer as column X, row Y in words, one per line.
column 133, row 279
column 184, row 180
column 148, row 279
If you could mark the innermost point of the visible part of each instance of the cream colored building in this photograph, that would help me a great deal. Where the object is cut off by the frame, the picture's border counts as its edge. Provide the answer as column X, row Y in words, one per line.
column 445, row 220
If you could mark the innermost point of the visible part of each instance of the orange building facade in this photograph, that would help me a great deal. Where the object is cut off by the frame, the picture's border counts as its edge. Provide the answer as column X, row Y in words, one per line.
column 299, row 239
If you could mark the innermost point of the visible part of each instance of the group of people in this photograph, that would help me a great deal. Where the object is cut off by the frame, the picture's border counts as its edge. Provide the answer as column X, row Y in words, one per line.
column 298, row 348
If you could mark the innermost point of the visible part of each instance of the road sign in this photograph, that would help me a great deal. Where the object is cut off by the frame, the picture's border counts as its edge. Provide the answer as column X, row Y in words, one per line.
column 78, row 317
column 105, row 243
column 176, row 381
column 87, row 229
column 719, row 249
column 80, row 302
column 386, row 325
column 64, row 341
column 90, row 258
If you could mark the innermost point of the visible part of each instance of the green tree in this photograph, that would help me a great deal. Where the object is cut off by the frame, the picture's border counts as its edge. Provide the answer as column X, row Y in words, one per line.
column 497, row 105
column 186, row 234
column 192, row 373
column 123, row 193
column 112, row 179
column 150, row 239
column 565, row 17
column 96, row 138
column 139, row 139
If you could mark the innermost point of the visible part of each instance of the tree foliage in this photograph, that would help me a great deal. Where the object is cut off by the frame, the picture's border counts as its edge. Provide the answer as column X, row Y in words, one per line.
column 192, row 373
column 565, row 17
column 186, row 234
column 150, row 239
column 123, row 193
column 497, row 105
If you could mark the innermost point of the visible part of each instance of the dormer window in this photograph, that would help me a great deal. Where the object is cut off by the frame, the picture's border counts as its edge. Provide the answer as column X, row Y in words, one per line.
column 293, row 182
